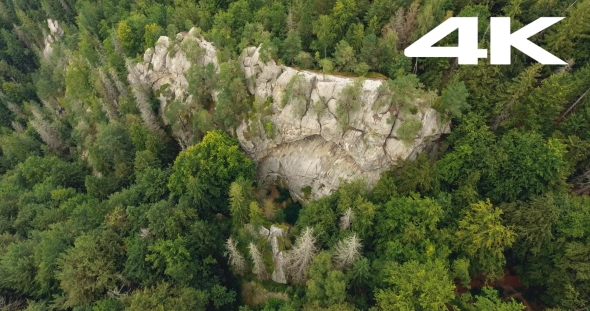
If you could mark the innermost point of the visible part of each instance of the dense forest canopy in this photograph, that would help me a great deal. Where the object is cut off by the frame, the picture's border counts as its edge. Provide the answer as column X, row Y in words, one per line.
column 102, row 208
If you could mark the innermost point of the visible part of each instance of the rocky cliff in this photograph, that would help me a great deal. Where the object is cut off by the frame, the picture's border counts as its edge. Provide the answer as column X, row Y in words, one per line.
column 296, row 135
column 55, row 34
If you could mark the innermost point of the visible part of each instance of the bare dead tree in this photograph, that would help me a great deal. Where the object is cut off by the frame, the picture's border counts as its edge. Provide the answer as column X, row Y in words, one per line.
column 48, row 134
column 144, row 233
column 14, row 305
column 259, row 268
column 53, row 105
column 31, row 43
column 573, row 106
column 15, row 109
column 410, row 24
column 109, row 110
column 116, row 42
column 291, row 23
column 346, row 252
column 300, row 257
column 65, row 6
column 582, row 183
column 118, row 83
column 17, row 127
column 109, row 96
column 147, row 115
column 346, row 219
column 110, row 91
column 236, row 260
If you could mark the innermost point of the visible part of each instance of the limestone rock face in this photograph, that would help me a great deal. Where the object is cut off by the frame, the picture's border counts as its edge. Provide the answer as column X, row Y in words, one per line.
column 278, row 274
column 164, row 67
column 55, row 33
column 311, row 149
column 274, row 236
column 307, row 147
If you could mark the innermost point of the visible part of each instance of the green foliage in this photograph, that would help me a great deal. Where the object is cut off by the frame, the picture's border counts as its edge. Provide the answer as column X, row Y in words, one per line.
column 211, row 165
column 482, row 237
column 349, row 102
column 397, row 93
column 89, row 269
column 563, row 39
column 108, row 304
column 454, row 99
column 326, row 285
column 416, row 286
column 113, row 152
column 202, row 81
column 51, row 170
column 344, row 56
column 326, row 64
column 296, row 95
column 320, row 215
column 518, row 166
column 132, row 33
column 165, row 296
column 291, row 47
column 359, row 275
column 256, row 215
column 362, row 69
column 490, row 301
column 18, row 267
column 268, row 51
column 233, row 97
column 269, row 129
column 323, row 28
column 304, row 60
column 407, row 177
column 173, row 258
column 240, row 193
column 407, row 229
column 408, row 131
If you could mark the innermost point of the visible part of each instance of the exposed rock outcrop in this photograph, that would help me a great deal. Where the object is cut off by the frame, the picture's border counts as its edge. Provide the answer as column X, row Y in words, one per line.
column 163, row 71
column 312, row 149
column 164, row 66
column 275, row 237
column 55, row 34
column 308, row 147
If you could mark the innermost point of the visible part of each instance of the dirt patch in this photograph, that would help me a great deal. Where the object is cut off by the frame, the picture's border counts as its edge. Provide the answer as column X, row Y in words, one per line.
column 274, row 193
column 510, row 285
column 254, row 294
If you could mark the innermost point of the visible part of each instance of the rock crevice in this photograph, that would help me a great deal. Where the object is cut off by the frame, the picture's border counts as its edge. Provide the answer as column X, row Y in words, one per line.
column 363, row 149
column 308, row 146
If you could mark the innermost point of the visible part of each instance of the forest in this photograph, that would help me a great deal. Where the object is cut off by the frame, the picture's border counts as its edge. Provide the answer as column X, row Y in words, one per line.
column 102, row 208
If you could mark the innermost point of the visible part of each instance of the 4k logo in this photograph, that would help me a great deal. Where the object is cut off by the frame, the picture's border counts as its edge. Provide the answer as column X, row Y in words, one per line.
column 501, row 40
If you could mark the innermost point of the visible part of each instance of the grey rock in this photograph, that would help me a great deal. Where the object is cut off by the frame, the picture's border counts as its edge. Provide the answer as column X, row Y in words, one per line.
column 313, row 150
column 55, row 34
column 309, row 147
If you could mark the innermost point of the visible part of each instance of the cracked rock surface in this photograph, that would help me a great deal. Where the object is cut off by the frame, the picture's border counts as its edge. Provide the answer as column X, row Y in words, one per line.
column 313, row 150
column 309, row 148
column 163, row 68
